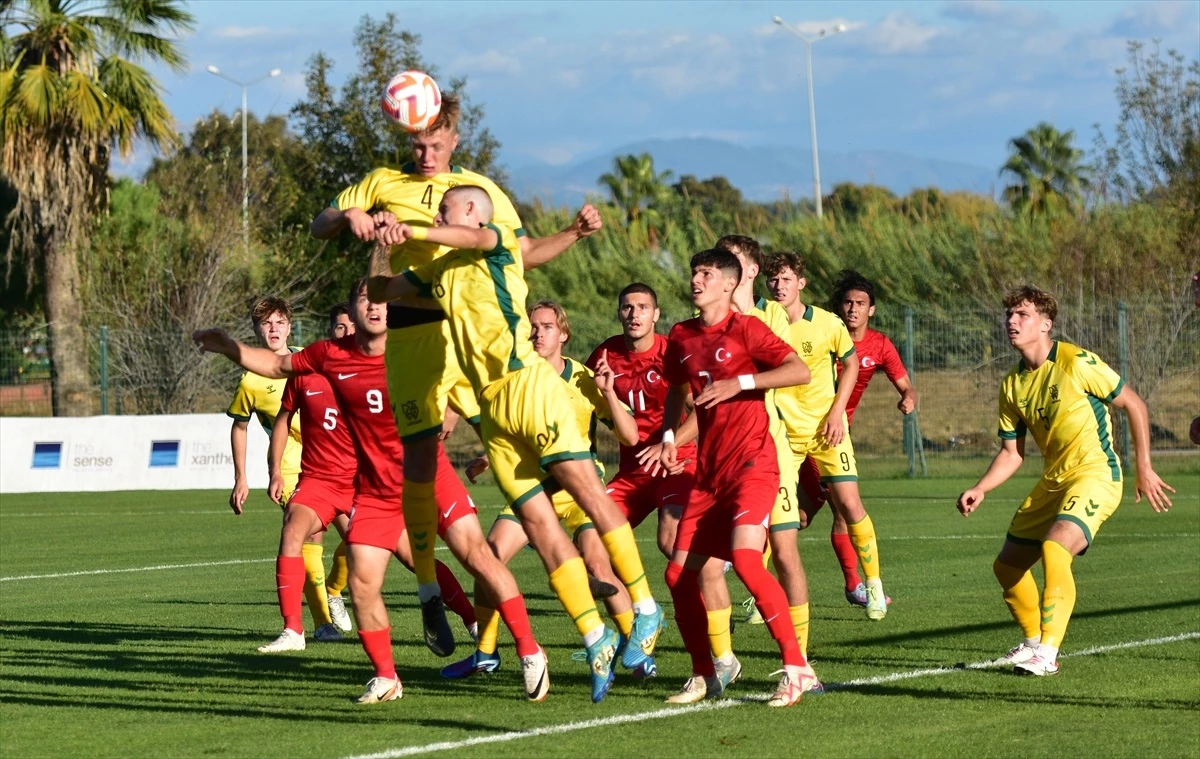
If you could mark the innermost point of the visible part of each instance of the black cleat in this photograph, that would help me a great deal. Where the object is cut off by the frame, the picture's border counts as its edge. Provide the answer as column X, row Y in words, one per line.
column 438, row 636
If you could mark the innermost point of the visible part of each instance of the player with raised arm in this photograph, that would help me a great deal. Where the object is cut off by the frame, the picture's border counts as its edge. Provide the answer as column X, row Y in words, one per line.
column 854, row 300
column 355, row 369
column 1061, row 394
column 728, row 360
column 594, row 400
column 528, row 426
column 815, row 414
column 260, row 397
column 423, row 375
column 322, row 496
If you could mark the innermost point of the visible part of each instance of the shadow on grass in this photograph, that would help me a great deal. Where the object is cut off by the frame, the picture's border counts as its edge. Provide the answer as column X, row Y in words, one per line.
column 1030, row 699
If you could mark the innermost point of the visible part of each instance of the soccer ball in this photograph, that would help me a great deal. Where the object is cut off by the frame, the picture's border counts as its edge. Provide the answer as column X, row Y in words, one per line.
column 412, row 99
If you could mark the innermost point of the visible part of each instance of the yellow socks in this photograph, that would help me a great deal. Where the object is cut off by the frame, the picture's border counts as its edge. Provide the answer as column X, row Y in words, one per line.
column 489, row 629
column 767, row 556
column 420, row 515
column 624, row 622
column 1058, row 599
column 314, row 583
column 800, row 624
column 719, row 639
column 1021, row 596
column 339, row 574
column 570, row 584
column 862, row 533
column 627, row 563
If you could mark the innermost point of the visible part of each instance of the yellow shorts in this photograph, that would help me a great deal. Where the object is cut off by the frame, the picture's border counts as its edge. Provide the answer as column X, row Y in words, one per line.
column 574, row 521
column 528, row 421
column 423, row 375
column 289, row 486
column 1086, row 499
column 785, row 515
column 835, row 463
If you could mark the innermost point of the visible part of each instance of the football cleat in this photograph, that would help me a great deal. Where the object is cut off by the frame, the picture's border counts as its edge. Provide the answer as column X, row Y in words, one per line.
column 537, row 676
column 478, row 663
column 327, row 633
column 752, row 617
column 877, row 607
column 1038, row 666
column 646, row 628
column 600, row 660
column 1020, row 653
column 858, row 596
column 695, row 690
column 600, row 589
column 789, row 692
column 438, row 637
column 727, row 674
column 338, row 613
column 645, row 670
column 809, row 682
column 288, row 640
column 380, row 689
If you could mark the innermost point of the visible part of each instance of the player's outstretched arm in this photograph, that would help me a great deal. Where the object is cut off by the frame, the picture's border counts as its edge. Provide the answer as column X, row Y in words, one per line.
column 261, row 361
column 363, row 225
column 1006, row 463
column 791, row 371
column 545, row 249
column 279, row 438
column 1148, row 482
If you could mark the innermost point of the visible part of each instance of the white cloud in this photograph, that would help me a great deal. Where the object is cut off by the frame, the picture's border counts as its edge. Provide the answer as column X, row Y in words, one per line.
column 1157, row 18
column 993, row 12
column 900, row 34
column 245, row 32
column 489, row 62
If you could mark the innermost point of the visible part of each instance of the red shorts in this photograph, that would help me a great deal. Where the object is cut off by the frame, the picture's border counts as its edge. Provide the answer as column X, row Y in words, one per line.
column 638, row 495
column 327, row 499
column 379, row 521
column 815, row 494
column 709, row 518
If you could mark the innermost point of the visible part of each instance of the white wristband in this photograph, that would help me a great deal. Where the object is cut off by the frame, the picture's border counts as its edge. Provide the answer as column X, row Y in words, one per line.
column 668, row 437
column 746, row 381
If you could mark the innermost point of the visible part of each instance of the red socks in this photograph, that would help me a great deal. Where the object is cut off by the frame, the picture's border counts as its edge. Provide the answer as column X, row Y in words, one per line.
column 771, row 601
column 289, row 582
column 692, row 618
column 516, row 619
column 378, row 645
column 847, row 557
column 453, row 596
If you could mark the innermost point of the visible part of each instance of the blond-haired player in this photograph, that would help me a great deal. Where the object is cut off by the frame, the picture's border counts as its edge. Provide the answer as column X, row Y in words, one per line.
column 1061, row 394
column 423, row 374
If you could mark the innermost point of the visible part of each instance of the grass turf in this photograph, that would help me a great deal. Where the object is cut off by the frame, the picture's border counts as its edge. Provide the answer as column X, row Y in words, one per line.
column 162, row 662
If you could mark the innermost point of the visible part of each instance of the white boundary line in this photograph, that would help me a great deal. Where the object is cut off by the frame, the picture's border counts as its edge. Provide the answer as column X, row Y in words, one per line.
column 675, row 711
column 136, row 569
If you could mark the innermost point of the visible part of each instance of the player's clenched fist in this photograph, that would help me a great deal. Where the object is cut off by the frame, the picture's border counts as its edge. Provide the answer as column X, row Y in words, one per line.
column 587, row 221
column 214, row 341
column 970, row 500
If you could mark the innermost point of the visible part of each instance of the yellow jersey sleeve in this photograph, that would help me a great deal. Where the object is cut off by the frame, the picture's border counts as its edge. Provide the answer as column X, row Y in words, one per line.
column 241, row 407
column 584, row 381
column 842, row 345
column 1093, row 376
column 364, row 195
column 1012, row 426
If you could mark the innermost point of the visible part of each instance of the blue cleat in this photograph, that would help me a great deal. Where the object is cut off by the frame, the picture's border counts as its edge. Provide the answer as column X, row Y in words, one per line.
column 475, row 664
column 622, row 644
column 646, row 628
column 600, row 659
column 645, row 670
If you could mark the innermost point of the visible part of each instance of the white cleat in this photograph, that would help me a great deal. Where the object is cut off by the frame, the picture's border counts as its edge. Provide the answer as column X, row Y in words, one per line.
column 696, row 689
column 1019, row 654
column 327, row 633
column 288, row 640
column 1038, row 666
column 380, row 689
column 337, row 611
column 537, row 676
column 809, row 682
column 789, row 692
column 877, row 607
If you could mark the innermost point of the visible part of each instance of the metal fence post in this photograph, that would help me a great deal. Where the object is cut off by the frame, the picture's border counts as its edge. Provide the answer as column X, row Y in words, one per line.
column 298, row 335
column 1123, row 363
column 910, row 432
column 104, row 371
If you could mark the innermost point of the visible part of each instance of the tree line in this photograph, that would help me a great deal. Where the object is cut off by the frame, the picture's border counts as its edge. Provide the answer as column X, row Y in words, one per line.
column 159, row 257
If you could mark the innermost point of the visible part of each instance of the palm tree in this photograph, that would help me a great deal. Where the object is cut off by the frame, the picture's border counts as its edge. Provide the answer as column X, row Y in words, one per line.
column 1048, row 172
column 72, row 90
column 634, row 185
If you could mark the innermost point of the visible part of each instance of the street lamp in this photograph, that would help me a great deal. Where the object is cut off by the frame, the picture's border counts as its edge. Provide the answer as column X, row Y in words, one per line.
column 812, row 113
column 245, row 184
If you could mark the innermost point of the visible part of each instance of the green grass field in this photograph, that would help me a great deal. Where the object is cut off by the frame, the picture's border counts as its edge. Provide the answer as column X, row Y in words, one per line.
column 161, row 662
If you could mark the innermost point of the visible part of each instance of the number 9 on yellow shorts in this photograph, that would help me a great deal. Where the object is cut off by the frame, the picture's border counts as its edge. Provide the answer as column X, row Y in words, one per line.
column 1086, row 500
column 422, row 374
column 528, row 422
column 835, row 463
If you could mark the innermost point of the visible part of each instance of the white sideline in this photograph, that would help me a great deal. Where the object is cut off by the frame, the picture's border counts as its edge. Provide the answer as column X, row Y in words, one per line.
column 675, row 711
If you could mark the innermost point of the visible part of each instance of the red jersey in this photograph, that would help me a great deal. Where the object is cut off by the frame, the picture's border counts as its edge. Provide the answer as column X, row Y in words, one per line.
column 359, row 383
column 328, row 451
column 640, row 384
column 735, row 434
column 873, row 351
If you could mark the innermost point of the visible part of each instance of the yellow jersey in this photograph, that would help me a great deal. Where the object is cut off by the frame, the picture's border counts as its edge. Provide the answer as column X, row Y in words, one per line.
column 821, row 339
column 259, row 396
column 414, row 199
column 483, row 293
column 772, row 314
column 588, row 402
column 1064, row 403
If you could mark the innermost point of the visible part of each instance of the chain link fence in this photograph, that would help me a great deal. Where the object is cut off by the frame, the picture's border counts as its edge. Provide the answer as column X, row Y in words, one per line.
column 956, row 360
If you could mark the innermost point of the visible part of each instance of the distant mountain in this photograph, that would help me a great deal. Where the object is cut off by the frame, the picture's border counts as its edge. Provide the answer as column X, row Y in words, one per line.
column 762, row 173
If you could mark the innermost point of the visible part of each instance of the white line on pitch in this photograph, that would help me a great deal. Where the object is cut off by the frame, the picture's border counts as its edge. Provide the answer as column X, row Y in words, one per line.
column 676, row 711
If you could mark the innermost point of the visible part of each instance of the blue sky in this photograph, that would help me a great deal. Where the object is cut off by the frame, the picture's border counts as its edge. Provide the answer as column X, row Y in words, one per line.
column 952, row 80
